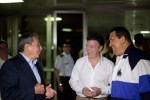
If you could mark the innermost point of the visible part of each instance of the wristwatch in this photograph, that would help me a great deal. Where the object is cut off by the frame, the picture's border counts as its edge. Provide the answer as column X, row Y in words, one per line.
column 60, row 84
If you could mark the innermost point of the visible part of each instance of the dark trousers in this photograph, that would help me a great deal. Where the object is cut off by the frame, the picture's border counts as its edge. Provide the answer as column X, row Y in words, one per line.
column 68, row 93
column 109, row 97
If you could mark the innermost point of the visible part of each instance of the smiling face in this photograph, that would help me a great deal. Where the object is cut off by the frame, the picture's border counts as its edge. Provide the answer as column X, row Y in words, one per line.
column 33, row 50
column 116, row 43
column 93, row 48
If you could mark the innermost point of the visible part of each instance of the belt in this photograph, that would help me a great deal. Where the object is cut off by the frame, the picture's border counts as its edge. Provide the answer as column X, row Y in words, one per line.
column 103, row 98
column 85, row 98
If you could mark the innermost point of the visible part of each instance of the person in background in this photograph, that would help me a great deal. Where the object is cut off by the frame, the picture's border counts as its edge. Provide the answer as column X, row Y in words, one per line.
column 21, row 77
column 91, row 74
column 139, row 40
column 131, row 75
column 4, row 53
column 63, row 69
column 146, row 45
column 109, row 54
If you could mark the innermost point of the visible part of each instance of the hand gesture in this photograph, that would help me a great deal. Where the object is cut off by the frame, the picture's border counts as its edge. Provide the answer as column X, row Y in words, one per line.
column 50, row 92
column 39, row 88
column 87, row 92
column 95, row 91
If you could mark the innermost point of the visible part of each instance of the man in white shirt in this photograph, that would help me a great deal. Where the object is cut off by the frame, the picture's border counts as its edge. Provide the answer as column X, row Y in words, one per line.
column 91, row 74
column 63, row 70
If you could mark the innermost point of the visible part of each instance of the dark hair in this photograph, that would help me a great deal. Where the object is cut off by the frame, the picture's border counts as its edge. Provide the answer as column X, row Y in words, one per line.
column 26, row 38
column 66, row 42
column 122, row 31
column 139, row 38
column 95, row 36
column 3, row 42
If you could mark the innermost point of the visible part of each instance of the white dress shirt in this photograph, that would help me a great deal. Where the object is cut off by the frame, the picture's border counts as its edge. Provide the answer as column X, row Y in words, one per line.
column 84, row 75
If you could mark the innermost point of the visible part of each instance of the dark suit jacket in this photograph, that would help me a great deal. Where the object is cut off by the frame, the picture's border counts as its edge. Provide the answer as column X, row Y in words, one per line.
column 17, row 80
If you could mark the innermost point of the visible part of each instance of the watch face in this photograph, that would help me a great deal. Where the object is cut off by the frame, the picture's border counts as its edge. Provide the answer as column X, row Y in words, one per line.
column 60, row 84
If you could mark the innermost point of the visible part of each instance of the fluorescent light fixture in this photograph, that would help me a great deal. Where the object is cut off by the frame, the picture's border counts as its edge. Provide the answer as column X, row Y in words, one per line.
column 145, row 32
column 11, row 1
column 52, row 19
column 57, row 19
column 66, row 29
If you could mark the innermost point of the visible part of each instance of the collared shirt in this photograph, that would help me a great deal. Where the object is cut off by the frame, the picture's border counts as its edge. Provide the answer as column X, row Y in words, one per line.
column 84, row 75
column 64, row 64
column 33, row 67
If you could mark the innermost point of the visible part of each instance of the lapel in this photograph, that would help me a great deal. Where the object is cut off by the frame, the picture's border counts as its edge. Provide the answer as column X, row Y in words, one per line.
column 40, row 70
column 27, row 69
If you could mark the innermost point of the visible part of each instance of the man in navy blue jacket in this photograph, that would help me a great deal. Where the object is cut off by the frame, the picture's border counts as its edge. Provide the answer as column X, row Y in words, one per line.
column 21, row 77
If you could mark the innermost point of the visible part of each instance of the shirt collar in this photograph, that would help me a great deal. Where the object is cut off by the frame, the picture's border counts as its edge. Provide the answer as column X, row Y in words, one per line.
column 129, row 50
column 28, row 59
column 65, row 54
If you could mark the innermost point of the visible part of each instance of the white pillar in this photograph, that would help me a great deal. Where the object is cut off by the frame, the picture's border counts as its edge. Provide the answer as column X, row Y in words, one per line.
column 13, row 30
column 48, row 48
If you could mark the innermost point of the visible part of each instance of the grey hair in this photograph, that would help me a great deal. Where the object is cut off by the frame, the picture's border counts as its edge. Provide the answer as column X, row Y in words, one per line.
column 26, row 38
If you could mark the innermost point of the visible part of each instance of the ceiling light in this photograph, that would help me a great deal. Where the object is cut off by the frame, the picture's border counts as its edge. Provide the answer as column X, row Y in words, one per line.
column 145, row 32
column 52, row 19
column 11, row 1
column 57, row 19
column 66, row 29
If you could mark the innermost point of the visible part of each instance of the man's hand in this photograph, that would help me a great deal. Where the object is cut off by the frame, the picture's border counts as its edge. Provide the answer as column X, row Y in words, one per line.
column 39, row 88
column 91, row 92
column 87, row 92
column 61, row 89
column 50, row 92
column 96, row 91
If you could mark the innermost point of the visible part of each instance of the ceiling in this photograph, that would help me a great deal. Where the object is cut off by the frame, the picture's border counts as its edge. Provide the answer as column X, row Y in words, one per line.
column 101, row 15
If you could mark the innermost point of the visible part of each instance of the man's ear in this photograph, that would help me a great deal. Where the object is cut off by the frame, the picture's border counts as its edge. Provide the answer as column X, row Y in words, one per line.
column 100, row 48
column 123, row 39
column 26, row 46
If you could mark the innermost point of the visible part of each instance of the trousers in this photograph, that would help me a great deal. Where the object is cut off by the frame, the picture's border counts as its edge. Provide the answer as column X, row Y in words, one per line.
column 68, row 93
column 83, row 98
